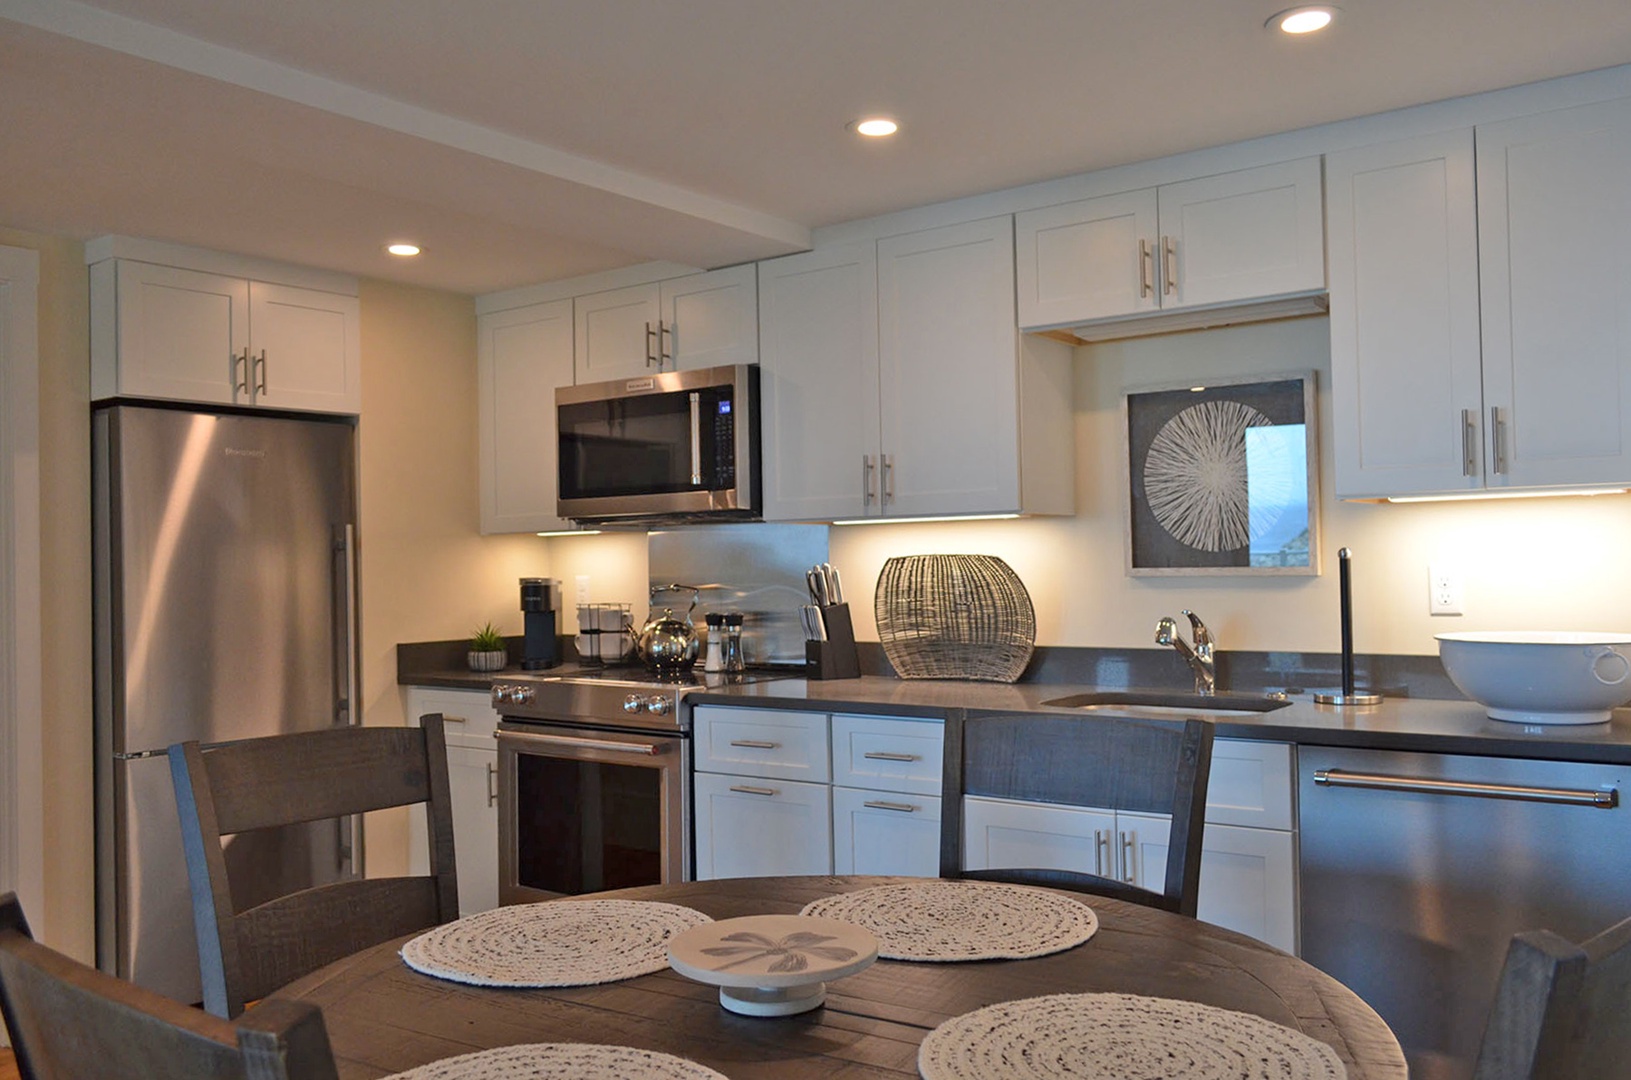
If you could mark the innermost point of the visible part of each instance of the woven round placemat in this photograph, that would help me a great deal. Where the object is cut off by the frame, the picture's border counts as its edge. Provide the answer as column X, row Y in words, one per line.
column 555, row 943
column 962, row 920
column 1118, row 1036
column 562, row 1061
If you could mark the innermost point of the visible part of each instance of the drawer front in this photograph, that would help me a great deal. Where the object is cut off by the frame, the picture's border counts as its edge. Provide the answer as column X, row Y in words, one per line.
column 467, row 715
column 1251, row 784
column 747, row 826
column 761, row 742
column 887, row 754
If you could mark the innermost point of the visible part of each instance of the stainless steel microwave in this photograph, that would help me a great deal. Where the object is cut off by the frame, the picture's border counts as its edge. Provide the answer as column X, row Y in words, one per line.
column 677, row 446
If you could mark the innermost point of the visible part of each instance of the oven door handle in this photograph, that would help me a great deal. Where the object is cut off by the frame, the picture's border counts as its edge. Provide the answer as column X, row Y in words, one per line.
column 578, row 743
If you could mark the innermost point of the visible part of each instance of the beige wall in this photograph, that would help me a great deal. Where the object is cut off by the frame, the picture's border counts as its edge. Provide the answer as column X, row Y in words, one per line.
column 65, row 571
column 1526, row 563
column 427, row 574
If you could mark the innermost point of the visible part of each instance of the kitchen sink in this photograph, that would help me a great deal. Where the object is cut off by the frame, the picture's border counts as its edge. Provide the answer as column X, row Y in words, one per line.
column 1167, row 705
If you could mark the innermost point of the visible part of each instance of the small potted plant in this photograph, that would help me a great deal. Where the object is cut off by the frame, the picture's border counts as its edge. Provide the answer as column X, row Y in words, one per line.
column 487, row 650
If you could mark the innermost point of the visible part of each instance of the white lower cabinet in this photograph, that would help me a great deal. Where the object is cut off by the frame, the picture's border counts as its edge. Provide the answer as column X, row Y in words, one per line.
column 752, row 826
column 885, row 832
column 468, row 722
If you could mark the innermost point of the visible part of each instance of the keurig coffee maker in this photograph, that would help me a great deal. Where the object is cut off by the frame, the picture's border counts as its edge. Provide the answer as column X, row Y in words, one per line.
column 538, row 596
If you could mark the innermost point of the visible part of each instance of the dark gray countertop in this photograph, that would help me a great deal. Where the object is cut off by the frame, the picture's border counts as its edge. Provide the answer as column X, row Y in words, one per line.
column 1399, row 723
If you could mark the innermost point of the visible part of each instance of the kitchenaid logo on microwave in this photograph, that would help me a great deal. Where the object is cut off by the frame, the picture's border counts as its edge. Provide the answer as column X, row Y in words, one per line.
column 233, row 451
column 634, row 386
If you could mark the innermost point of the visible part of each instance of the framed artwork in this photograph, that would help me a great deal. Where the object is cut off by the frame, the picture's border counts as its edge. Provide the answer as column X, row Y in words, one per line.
column 1222, row 477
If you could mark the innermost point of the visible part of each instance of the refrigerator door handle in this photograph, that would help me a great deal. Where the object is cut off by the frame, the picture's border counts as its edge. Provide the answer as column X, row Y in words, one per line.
column 346, row 550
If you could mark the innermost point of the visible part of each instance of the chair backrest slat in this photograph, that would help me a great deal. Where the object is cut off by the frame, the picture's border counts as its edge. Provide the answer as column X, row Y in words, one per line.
column 295, row 778
column 68, row 1021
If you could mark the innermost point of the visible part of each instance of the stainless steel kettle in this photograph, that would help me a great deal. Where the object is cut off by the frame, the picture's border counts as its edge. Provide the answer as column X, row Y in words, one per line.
column 667, row 643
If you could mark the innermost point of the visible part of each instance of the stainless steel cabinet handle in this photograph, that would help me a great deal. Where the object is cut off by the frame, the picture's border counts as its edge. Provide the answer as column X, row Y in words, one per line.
column 755, row 744
column 1606, row 800
column 449, row 718
column 869, row 479
column 1469, row 443
column 240, row 386
column 904, row 808
column 1129, row 860
column 260, row 377
column 888, row 462
column 696, row 437
column 1101, row 850
column 492, row 784
column 651, row 354
column 747, row 789
column 887, row 755
column 1146, row 268
column 665, row 356
column 1169, row 265
column 1497, row 438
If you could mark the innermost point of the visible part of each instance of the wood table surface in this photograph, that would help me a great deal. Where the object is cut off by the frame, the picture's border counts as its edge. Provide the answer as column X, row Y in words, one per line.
column 383, row 1017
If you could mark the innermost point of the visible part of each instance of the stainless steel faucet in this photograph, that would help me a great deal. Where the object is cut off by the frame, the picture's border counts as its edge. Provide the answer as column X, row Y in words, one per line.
column 1202, row 658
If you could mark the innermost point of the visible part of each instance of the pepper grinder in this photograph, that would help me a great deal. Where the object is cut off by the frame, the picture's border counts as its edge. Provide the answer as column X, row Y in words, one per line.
column 1347, row 695
column 733, row 643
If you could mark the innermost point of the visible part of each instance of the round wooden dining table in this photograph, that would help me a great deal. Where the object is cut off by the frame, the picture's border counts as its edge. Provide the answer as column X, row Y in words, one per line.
column 383, row 1017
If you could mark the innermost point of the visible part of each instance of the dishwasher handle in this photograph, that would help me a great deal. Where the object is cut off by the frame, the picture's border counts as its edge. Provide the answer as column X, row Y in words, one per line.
column 1604, row 800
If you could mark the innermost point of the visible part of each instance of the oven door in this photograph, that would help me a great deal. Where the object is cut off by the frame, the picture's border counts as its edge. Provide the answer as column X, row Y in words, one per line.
column 583, row 809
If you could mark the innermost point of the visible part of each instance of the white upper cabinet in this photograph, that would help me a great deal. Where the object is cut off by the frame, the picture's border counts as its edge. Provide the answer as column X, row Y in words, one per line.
column 818, row 382
column 1231, row 239
column 1478, row 296
column 695, row 321
column 1406, row 380
column 186, row 335
column 1554, row 233
column 522, row 356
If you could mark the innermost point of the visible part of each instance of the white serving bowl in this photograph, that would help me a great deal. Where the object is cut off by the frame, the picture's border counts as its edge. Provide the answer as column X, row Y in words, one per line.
column 1541, row 676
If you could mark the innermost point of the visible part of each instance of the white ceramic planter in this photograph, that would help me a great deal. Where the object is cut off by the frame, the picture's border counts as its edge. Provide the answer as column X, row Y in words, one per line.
column 487, row 661
column 1541, row 677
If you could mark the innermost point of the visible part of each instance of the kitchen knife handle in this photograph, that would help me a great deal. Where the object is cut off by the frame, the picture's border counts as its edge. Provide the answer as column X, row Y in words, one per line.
column 869, row 479
column 1497, row 438
column 1169, row 265
column 1146, row 268
column 1469, row 443
column 651, row 336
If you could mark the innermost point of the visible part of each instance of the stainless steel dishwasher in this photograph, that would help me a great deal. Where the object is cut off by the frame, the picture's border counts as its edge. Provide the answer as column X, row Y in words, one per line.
column 1417, row 869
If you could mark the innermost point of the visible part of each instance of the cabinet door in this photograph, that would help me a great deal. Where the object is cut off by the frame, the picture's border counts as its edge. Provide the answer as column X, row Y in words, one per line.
column 1141, row 849
column 306, row 350
column 999, row 834
column 1244, row 235
column 615, row 334
column 1554, row 229
column 711, row 319
column 472, row 780
column 748, row 826
column 522, row 356
column 882, row 832
column 1405, row 371
column 177, row 334
column 1248, row 881
column 949, row 370
column 1087, row 260
column 818, row 383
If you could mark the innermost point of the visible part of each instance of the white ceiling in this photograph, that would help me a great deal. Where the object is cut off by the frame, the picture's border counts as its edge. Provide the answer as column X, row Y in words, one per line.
column 528, row 140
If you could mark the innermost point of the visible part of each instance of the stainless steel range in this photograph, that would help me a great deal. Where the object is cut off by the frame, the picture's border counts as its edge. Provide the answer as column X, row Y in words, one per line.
column 594, row 770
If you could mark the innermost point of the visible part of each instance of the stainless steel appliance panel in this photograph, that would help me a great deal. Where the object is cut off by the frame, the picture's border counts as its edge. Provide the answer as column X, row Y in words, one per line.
column 1410, row 896
column 224, row 555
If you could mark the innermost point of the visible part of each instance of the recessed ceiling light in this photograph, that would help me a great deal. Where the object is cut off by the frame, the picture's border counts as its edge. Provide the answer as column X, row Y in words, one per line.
column 1303, row 20
column 406, row 251
column 876, row 127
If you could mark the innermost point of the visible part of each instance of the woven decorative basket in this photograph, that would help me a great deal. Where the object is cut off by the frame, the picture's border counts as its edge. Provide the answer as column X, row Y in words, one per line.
column 954, row 617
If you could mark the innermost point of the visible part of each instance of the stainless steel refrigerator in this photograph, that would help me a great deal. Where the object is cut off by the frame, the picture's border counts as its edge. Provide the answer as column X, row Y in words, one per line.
column 225, row 608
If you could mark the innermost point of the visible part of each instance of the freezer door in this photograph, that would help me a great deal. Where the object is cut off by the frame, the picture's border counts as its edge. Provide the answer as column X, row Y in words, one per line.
column 156, row 945
column 229, row 588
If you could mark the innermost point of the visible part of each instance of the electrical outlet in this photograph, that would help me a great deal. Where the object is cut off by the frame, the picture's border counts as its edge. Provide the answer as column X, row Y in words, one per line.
column 583, row 588
column 1443, row 589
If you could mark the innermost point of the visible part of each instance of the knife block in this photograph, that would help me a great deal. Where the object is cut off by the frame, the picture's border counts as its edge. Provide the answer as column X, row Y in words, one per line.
column 836, row 657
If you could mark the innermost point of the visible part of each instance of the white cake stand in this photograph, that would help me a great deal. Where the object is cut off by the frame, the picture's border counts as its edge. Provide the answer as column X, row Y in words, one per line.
column 772, row 965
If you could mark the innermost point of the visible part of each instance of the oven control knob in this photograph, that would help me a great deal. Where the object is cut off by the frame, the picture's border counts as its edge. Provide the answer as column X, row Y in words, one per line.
column 658, row 705
column 505, row 694
column 633, row 704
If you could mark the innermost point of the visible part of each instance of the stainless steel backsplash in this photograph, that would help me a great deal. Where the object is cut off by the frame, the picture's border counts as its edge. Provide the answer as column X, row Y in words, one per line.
column 755, row 568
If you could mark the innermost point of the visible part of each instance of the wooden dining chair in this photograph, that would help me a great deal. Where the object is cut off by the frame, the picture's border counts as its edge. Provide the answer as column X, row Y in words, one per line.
column 285, row 780
column 1562, row 1011
column 68, row 1022
column 1152, row 766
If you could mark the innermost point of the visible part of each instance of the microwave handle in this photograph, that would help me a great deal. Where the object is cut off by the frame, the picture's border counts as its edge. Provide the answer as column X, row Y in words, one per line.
column 696, row 439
